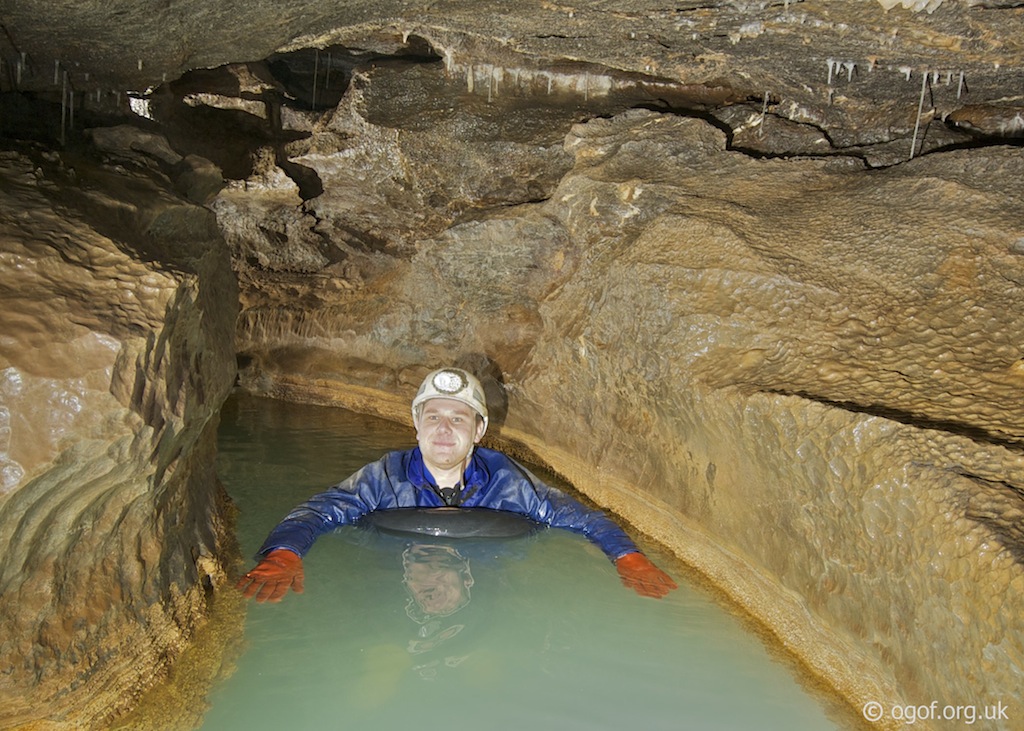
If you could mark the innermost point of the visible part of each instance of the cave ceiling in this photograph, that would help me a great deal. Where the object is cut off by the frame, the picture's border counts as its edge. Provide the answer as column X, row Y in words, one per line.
column 881, row 80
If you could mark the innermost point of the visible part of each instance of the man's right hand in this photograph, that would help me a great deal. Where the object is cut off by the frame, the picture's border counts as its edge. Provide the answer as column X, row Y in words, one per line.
column 269, row 581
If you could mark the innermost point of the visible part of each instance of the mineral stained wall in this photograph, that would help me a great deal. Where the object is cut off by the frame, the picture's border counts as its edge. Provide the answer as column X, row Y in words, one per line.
column 117, row 307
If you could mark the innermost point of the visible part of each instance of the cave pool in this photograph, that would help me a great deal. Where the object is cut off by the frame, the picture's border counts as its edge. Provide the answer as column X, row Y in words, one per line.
column 545, row 638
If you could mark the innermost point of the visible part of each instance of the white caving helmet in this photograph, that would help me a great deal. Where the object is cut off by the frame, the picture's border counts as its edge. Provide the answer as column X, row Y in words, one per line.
column 453, row 383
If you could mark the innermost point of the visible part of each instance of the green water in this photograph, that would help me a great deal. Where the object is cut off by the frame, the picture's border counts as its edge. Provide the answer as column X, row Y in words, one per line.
column 547, row 637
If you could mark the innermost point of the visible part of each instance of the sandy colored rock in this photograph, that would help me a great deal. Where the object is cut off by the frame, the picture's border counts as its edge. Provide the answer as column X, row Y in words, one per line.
column 748, row 273
column 113, row 371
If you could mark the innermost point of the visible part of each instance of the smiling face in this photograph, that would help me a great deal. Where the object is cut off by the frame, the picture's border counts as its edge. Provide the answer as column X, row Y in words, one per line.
column 446, row 431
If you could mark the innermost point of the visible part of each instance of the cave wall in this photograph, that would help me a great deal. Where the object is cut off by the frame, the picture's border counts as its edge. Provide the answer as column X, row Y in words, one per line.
column 749, row 274
column 117, row 316
column 744, row 376
column 800, row 375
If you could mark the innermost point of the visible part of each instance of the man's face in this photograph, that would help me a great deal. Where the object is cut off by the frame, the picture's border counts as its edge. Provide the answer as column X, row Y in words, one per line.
column 446, row 430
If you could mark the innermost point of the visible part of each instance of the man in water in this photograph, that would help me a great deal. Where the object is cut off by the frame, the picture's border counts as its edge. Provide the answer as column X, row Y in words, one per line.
column 447, row 469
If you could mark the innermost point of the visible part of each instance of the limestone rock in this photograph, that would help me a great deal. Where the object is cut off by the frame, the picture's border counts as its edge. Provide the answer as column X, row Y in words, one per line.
column 991, row 120
column 852, row 69
column 748, row 273
column 199, row 180
column 114, row 359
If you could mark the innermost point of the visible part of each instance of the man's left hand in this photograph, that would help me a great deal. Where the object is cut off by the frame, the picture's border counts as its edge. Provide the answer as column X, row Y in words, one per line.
column 643, row 577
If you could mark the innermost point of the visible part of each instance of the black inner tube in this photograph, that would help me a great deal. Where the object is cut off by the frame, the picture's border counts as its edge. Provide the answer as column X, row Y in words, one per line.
column 451, row 522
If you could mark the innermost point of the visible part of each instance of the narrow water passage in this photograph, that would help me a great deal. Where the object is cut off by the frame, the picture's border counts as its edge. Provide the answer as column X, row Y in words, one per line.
column 535, row 632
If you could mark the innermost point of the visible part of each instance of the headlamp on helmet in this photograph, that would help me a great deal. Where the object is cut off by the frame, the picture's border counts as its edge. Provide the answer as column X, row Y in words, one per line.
column 452, row 383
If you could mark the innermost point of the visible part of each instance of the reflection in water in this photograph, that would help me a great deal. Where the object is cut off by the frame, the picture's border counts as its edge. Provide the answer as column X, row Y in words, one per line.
column 439, row 581
column 429, row 626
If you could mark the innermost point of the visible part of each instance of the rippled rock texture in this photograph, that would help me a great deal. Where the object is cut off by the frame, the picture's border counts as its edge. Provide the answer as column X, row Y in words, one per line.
column 749, row 274
column 116, row 313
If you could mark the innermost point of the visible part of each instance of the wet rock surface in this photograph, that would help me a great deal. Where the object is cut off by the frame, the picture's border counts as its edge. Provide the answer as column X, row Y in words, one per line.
column 116, row 354
column 749, row 274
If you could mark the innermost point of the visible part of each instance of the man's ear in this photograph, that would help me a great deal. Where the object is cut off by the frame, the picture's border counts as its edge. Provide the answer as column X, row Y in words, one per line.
column 479, row 430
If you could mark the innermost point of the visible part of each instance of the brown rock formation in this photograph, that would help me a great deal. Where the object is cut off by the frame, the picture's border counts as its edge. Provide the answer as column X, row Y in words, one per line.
column 117, row 310
column 750, row 273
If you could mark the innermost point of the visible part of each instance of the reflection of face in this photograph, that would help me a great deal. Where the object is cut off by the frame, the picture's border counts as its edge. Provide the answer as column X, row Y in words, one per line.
column 438, row 591
column 446, row 431
column 438, row 579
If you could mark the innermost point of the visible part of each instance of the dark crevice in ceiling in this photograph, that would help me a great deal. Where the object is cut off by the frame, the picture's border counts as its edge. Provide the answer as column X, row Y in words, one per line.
column 316, row 79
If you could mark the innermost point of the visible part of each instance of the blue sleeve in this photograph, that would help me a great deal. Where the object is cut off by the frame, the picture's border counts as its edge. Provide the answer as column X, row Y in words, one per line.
column 516, row 489
column 370, row 488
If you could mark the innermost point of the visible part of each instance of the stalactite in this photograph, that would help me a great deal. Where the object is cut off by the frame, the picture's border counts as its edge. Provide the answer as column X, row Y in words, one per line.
column 316, row 71
column 920, row 109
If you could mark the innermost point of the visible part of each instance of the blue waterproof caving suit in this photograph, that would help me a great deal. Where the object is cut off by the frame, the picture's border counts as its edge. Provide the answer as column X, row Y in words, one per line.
column 401, row 480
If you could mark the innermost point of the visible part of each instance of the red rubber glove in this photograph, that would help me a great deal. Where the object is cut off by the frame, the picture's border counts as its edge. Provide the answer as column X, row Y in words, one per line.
column 643, row 577
column 270, row 580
